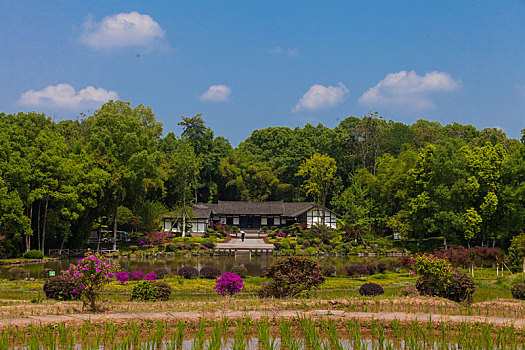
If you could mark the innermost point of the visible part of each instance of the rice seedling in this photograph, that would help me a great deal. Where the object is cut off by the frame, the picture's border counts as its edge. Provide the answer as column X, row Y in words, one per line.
column 311, row 336
column 265, row 338
column 215, row 342
column 239, row 342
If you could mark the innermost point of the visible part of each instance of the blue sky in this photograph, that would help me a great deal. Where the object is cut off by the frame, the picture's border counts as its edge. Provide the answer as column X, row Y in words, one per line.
column 248, row 65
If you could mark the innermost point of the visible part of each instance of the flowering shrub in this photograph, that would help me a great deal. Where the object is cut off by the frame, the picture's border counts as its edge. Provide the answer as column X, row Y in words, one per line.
column 409, row 291
column 228, row 284
column 438, row 278
column 292, row 276
column 150, row 277
column 137, row 275
column 122, row 277
column 157, row 238
column 209, row 245
column 91, row 274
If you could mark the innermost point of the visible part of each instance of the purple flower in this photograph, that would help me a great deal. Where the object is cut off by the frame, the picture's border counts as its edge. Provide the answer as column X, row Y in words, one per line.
column 229, row 284
column 137, row 275
column 151, row 276
column 122, row 277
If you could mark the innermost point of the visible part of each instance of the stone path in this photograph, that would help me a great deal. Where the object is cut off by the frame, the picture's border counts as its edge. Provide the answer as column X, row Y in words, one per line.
column 252, row 243
column 193, row 315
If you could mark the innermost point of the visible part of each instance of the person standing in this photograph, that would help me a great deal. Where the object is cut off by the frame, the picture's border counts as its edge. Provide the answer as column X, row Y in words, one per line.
column 242, row 236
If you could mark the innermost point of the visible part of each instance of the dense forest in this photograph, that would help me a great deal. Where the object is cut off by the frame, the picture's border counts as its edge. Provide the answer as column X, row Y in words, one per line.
column 58, row 181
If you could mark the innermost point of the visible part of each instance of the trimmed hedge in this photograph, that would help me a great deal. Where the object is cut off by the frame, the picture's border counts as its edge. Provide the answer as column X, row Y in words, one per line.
column 356, row 270
column 210, row 272
column 18, row 273
column 239, row 270
column 371, row 289
column 292, row 276
column 188, row 272
column 518, row 291
column 34, row 254
column 61, row 288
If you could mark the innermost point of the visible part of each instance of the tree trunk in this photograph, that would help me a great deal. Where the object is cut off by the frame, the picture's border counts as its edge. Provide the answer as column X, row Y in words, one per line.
column 184, row 215
column 28, row 236
column 115, row 225
column 38, row 225
column 44, row 225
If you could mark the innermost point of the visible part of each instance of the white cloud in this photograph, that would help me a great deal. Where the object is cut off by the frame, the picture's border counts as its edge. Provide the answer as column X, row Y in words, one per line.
column 217, row 93
column 321, row 97
column 293, row 52
column 408, row 90
column 65, row 96
column 120, row 30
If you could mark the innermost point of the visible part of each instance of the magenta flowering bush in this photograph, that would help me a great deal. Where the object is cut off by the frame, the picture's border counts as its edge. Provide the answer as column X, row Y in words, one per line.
column 156, row 238
column 151, row 276
column 409, row 291
column 122, row 277
column 229, row 284
column 137, row 275
column 90, row 274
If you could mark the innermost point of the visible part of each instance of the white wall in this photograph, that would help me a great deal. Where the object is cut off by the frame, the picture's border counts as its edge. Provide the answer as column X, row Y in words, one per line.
column 313, row 217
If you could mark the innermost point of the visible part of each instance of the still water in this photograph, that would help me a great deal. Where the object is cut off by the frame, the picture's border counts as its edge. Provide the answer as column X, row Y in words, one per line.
column 224, row 263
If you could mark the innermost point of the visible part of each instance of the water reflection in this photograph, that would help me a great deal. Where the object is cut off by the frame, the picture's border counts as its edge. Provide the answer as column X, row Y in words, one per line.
column 252, row 263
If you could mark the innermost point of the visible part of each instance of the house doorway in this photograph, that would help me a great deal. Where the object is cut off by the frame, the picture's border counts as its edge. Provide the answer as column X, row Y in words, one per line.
column 250, row 222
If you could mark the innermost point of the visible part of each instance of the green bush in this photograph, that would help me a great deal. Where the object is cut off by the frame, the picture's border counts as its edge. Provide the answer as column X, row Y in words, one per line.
column 239, row 270
column 371, row 289
column 34, row 254
column 210, row 272
column 151, row 291
column 460, row 288
column 61, row 288
column 163, row 291
column 292, row 276
column 18, row 273
column 328, row 270
column 518, row 291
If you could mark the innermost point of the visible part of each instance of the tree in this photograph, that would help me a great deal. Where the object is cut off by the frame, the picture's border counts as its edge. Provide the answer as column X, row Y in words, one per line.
column 149, row 214
column 319, row 171
column 125, row 143
column 183, row 173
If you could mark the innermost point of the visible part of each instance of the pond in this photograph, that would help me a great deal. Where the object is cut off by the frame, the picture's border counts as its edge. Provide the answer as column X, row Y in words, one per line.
column 224, row 263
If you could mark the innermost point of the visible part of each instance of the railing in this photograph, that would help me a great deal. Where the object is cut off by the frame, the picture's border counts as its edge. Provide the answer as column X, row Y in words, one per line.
column 78, row 252
column 233, row 251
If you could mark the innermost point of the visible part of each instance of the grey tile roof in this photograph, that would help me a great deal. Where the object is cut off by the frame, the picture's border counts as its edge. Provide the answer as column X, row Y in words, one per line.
column 287, row 209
